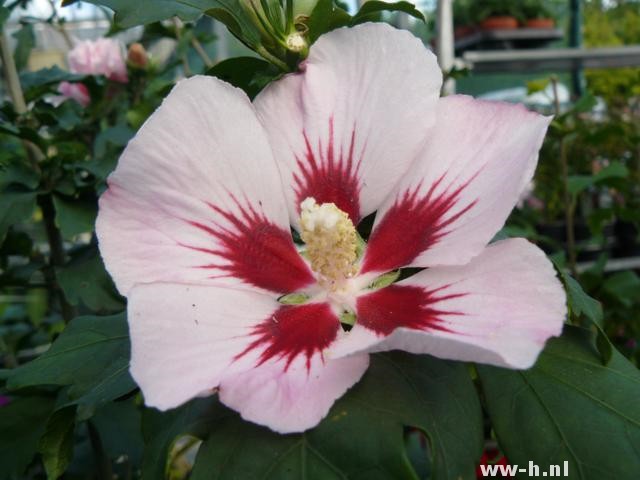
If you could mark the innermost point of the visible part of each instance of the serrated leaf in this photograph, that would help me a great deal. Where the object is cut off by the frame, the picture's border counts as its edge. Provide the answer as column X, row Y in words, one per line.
column 362, row 437
column 91, row 356
column 569, row 407
column 22, row 423
column 56, row 445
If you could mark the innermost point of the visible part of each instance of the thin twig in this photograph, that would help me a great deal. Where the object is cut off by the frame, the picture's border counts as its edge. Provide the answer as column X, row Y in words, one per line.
column 59, row 26
column 569, row 204
column 197, row 46
column 183, row 57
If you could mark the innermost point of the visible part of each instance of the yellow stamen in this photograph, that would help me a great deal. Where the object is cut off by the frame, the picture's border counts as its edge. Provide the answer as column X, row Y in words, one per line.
column 331, row 239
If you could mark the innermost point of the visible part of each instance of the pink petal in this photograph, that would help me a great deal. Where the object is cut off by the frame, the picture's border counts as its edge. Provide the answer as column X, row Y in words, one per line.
column 499, row 309
column 478, row 159
column 184, row 339
column 197, row 198
column 293, row 400
column 266, row 358
column 349, row 126
column 75, row 91
column 104, row 56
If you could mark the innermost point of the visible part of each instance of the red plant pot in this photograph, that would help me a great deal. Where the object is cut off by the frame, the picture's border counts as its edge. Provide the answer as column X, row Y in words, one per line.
column 499, row 23
column 540, row 23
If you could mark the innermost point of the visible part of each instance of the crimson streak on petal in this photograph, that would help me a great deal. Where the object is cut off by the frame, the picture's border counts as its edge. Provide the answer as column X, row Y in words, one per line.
column 295, row 330
column 256, row 251
column 412, row 225
column 406, row 306
column 329, row 179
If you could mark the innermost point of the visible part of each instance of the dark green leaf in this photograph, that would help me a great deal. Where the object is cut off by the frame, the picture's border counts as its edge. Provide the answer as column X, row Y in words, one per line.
column 20, row 174
column 26, row 40
column 363, row 434
column 91, row 356
column 160, row 431
column 139, row 12
column 40, row 82
column 569, row 407
column 624, row 286
column 326, row 16
column 248, row 73
column 579, row 302
column 4, row 15
column 15, row 207
column 377, row 6
column 56, row 445
column 85, row 281
column 119, row 426
column 74, row 216
column 22, row 423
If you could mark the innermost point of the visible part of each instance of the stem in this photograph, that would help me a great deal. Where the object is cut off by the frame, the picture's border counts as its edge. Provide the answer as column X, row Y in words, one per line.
column 57, row 255
column 202, row 52
column 17, row 96
column 569, row 203
column 59, row 25
column 185, row 61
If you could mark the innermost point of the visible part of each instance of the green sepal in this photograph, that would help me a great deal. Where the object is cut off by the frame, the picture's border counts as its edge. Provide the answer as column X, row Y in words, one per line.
column 348, row 318
column 293, row 299
column 384, row 280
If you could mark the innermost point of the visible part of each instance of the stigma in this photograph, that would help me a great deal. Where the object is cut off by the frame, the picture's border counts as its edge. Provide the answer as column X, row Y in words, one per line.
column 331, row 242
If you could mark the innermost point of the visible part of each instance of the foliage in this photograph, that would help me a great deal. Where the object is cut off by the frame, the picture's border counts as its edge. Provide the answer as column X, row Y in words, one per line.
column 73, row 409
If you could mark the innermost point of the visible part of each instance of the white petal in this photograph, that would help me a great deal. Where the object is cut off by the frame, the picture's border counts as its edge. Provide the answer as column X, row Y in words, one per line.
column 346, row 128
column 477, row 161
column 196, row 198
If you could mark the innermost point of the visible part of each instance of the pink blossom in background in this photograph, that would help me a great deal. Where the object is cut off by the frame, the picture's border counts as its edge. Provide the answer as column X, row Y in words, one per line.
column 195, row 230
column 75, row 91
column 4, row 400
column 104, row 56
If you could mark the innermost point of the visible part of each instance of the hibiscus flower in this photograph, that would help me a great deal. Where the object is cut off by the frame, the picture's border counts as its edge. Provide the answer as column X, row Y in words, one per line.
column 196, row 230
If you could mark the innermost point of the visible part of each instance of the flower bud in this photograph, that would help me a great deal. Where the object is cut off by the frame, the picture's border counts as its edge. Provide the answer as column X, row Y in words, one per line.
column 137, row 56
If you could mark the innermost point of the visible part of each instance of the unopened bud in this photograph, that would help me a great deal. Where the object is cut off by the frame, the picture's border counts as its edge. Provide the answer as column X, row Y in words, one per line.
column 137, row 55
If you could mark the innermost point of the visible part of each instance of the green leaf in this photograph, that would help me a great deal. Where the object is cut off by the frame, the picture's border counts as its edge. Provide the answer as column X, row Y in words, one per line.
column 160, row 431
column 4, row 15
column 582, row 304
column 91, row 356
column 35, row 84
column 22, row 423
column 119, row 426
column 569, row 407
column 18, row 173
column 624, row 286
column 362, row 437
column 579, row 183
column 326, row 16
column 75, row 216
column 26, row 40
column 140, row 12
column 56, row 445
column 579, row 302
column 85, row 281
column 248, row 73
column 376, row 6
column 15, row 207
